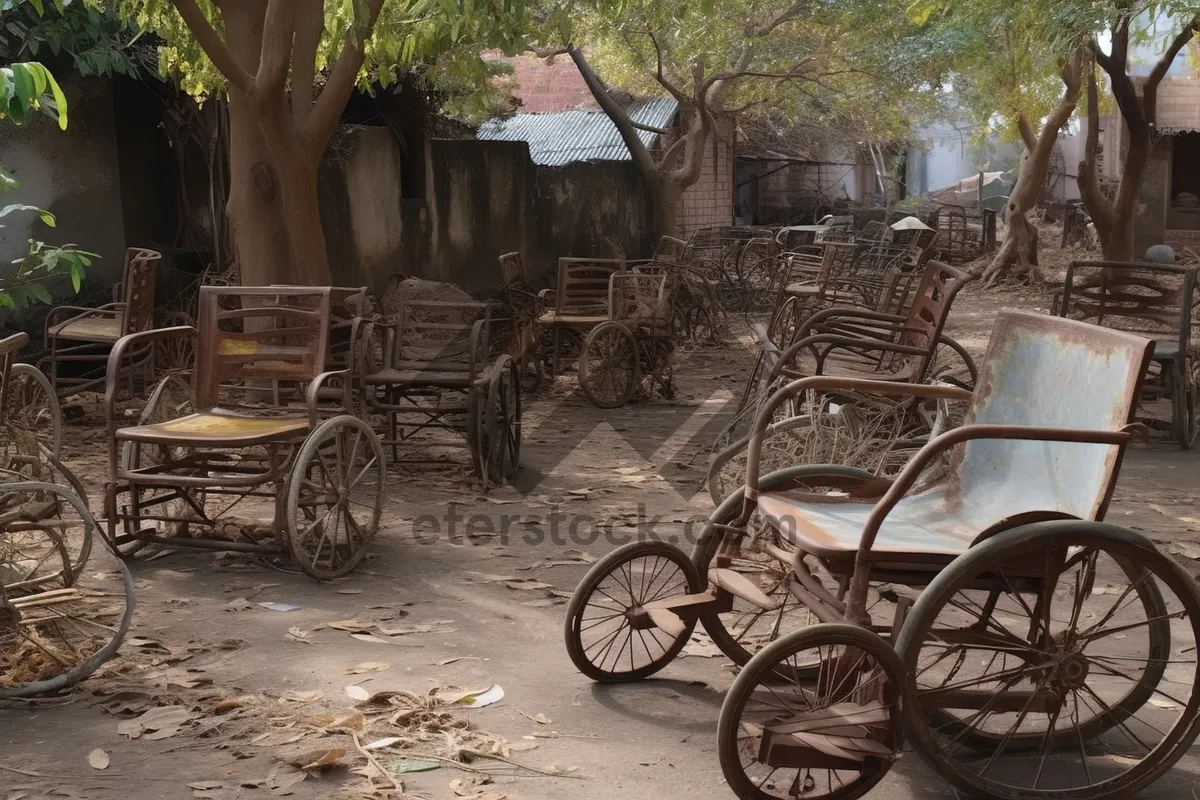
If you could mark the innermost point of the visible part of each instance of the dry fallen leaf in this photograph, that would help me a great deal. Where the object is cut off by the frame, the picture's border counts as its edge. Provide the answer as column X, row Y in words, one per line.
column 348, row 625
column 353, row 722
column 368, row 666
column 542, row 719
column 238, row 604
column 283, row 777
column 98, row 759
column 318, row 759
column 379, row 744
column 357, row 693
column 227, row 705
column 302, row 697
column 157, row 723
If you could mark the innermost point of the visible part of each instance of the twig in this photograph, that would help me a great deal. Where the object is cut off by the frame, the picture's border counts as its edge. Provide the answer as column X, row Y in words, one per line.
column 519, row 766
column 371, row 759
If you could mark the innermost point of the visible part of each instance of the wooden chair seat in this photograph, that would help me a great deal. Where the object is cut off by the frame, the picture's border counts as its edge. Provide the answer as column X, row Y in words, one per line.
column 553, row 318
column 107, row 329
column 218, row 428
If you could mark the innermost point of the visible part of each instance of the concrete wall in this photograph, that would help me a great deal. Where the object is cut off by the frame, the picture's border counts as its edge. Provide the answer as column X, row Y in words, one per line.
column 73, row 174
column 482, row 199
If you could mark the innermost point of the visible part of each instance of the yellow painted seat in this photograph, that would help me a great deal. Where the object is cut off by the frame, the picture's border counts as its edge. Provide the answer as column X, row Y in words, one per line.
column 218, row 428
column 551, row 318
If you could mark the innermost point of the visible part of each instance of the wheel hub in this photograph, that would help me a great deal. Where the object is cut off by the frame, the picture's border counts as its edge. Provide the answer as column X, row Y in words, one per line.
column 1072, row 671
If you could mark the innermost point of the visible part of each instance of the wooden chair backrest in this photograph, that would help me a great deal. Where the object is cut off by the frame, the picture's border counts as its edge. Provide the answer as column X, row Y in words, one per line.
column 138, row 283
column 435, row 335
column 248, row 333
column 583, row 284
column 640, row 296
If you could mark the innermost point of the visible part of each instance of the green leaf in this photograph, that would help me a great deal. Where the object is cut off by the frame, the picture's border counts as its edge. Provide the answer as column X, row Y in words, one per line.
column 39, row 293
column 46, row 216
column 6, row 301
column 37, row 5
column 60, row 99
column 76, row 277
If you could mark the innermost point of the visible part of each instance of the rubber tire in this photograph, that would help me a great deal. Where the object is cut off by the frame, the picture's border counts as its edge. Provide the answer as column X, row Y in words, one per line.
column 1001, row 548
column 748, row 679
column 307, row 450
column 595, row 576
column 710, row 539
column 632, row 367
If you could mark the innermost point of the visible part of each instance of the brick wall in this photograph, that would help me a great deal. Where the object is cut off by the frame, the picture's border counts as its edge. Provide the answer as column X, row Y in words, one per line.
column 1179, row 104
column 708, row 202
column 543, row 86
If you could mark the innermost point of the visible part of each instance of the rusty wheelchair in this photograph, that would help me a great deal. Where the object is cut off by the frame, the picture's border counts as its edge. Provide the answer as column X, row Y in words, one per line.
column 263, row 424
column 977, row 606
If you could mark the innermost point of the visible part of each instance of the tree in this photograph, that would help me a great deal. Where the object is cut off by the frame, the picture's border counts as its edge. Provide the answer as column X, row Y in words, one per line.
column 289, row 67
column 717, row 58
column 1113, row 218
column 1016, row 67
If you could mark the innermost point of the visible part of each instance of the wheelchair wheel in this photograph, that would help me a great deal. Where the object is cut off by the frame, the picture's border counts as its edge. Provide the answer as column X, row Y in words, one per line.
column 54, row 632
column 335, row 497
column 610, row 634
column 745, row 628
column 608, row 365
column 816, row 714
column 1053, row 660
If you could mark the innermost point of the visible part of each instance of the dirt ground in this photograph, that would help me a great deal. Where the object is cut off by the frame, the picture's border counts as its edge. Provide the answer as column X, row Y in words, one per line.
column 462, row 592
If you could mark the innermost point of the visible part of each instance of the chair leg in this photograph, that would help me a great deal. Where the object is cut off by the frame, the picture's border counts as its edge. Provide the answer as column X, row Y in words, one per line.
column 557, row 350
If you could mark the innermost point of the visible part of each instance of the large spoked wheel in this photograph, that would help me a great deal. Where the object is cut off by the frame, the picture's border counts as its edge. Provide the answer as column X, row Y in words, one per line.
column 504, row 419
column 335, row 497
column 745, row 628
column 608, row 366
column 164, row 512
column 45, row 543
column 54, row 633
column 816, row 714
column 1185, row 404
column 611, row 634
column 32, row 421
column 1054, row 660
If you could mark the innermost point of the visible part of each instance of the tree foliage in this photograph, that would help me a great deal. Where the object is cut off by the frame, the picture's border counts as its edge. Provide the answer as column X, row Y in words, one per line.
column 96, row 40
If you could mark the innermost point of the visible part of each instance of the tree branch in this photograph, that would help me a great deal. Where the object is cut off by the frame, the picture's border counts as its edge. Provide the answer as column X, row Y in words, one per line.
column 648, row 128
column 619, row 116
column 660, row 76
column 279, row 27
column 1026, row 131
column 1150, row 91
column 330, row 104
column 213, row 45
column 1097, row 205
column 788, row 14
column 546, row 52
column 310, row 24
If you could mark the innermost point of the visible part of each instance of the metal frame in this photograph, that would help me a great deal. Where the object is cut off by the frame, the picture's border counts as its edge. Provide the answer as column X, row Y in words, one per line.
column 437, row 373
column 1159, row 301
column 261, row 385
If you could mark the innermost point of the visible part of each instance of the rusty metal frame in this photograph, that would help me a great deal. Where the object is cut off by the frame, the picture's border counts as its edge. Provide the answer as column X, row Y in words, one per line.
column 291, row 344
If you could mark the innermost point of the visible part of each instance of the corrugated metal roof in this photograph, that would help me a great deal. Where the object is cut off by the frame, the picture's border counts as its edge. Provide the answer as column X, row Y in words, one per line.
column 581, row 135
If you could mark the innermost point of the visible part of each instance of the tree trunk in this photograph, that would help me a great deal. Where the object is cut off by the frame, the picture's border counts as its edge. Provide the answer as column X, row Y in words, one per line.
column 666, row 195
column 1020, row 244
column 259, row 236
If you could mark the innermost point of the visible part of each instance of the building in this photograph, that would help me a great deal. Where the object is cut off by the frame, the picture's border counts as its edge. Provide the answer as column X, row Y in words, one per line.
column 563, row 124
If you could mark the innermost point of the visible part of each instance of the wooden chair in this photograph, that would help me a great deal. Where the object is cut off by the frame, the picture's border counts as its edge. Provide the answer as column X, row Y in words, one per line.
column 84, row 337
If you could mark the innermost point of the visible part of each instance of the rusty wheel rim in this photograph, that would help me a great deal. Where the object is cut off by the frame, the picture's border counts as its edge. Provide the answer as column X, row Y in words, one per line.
column 1071, row 679
column 775, row 735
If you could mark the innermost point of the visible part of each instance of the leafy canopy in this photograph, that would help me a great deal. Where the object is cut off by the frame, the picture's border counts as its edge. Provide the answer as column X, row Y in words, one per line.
column 438, row 40
column 838, row 62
